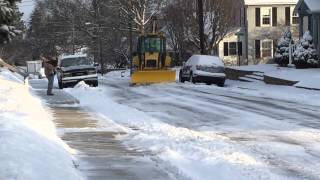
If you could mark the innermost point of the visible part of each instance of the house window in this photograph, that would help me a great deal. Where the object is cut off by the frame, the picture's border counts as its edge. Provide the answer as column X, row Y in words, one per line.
column 266, row 16
column 232, row 48
column 266, row 48
column 295, row 17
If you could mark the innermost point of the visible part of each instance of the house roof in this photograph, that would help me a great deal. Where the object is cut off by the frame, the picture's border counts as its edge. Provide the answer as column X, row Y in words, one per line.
column 313, row 5
column 270, row 2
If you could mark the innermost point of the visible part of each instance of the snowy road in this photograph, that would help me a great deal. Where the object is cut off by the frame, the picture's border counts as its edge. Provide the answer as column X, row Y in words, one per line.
column 282, row 134
column 242, row 131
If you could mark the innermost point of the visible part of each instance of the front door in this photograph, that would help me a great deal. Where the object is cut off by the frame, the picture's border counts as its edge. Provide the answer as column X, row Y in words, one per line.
column 305, row 24
column 318, row 40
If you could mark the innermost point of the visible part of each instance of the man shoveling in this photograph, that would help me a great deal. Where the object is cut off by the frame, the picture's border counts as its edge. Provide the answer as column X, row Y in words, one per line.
column 49, row 65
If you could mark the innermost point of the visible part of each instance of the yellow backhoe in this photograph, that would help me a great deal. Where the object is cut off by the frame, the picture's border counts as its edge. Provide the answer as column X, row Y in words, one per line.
column 151, row 62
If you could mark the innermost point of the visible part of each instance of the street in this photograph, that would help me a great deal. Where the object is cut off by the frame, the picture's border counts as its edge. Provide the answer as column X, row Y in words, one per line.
column 213, row 129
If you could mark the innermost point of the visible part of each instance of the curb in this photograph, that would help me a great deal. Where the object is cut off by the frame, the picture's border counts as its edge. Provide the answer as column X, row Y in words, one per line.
column 278, row 81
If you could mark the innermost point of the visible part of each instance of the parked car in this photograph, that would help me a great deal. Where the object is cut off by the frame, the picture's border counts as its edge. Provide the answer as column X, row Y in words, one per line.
column 204, row 69
column 75, row 68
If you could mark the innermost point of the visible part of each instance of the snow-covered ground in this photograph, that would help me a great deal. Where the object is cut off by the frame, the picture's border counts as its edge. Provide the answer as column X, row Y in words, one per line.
column 242, row 131
column 308, row 78
column 29, row 146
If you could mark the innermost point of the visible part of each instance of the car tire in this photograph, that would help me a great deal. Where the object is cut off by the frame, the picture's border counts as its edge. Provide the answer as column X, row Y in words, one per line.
column 221, row 84
column 208, row 83
column 60, row 84
column 181, row 79
column 191, row 79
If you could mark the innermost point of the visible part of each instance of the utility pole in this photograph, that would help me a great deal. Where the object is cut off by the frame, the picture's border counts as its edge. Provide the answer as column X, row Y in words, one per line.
column 130, row 42
column 96, row 5
column 201, row 26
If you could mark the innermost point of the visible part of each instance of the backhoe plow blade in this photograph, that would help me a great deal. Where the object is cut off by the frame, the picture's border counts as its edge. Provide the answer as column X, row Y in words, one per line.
column 150, row 77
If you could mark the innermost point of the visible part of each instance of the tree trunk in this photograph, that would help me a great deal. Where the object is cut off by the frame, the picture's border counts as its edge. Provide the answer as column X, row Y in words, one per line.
column 201, row 26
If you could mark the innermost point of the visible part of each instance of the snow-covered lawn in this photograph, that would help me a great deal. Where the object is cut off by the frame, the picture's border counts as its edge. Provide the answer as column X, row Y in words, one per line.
column 29, row 146
column 308, row 78
column 206, row 132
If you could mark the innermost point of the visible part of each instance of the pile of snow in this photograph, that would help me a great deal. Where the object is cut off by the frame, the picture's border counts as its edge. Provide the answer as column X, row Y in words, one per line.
column 10, row 76
column 29, row 146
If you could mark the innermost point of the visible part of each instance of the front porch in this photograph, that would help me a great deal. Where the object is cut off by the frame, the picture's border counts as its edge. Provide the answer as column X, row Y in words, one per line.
column 309, row 19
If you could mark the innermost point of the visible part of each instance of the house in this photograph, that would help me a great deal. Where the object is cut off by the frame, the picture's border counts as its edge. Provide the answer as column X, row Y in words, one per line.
column 309, row 18
column 262, row 23
column 231, row 48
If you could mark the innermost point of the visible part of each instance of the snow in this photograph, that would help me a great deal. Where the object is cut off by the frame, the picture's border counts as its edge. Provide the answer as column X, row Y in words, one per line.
column 205, row 60
column 197, row 155
column 204, row 152
column 7, row 75
column 4, row 28
column 259, row 68
column 308, row 78
column 305, row 54
column 268, row 2
column 73, row 56
column 283, row 48
column 276, row 92
column 29, row 146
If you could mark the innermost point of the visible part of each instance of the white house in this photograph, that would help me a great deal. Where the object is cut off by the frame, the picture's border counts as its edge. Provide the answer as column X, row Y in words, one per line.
column 263, row 22
column 231, row 48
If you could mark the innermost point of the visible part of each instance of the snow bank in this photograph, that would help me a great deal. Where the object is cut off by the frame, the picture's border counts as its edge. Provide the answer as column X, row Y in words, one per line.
column 29, row 146
column 7, row 75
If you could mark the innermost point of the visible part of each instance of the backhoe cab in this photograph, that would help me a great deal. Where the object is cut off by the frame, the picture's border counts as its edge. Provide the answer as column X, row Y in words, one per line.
column 151, row 62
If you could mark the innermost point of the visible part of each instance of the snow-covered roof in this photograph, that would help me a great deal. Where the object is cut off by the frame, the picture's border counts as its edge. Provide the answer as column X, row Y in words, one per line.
column 313, row 5
column 270, row 2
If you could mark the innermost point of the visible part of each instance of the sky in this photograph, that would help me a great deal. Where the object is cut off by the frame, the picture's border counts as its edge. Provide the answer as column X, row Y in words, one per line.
column 26, row 6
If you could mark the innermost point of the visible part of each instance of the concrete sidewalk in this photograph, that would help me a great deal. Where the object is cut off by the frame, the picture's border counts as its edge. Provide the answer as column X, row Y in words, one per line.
column 99, row 154
column 60, row 97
